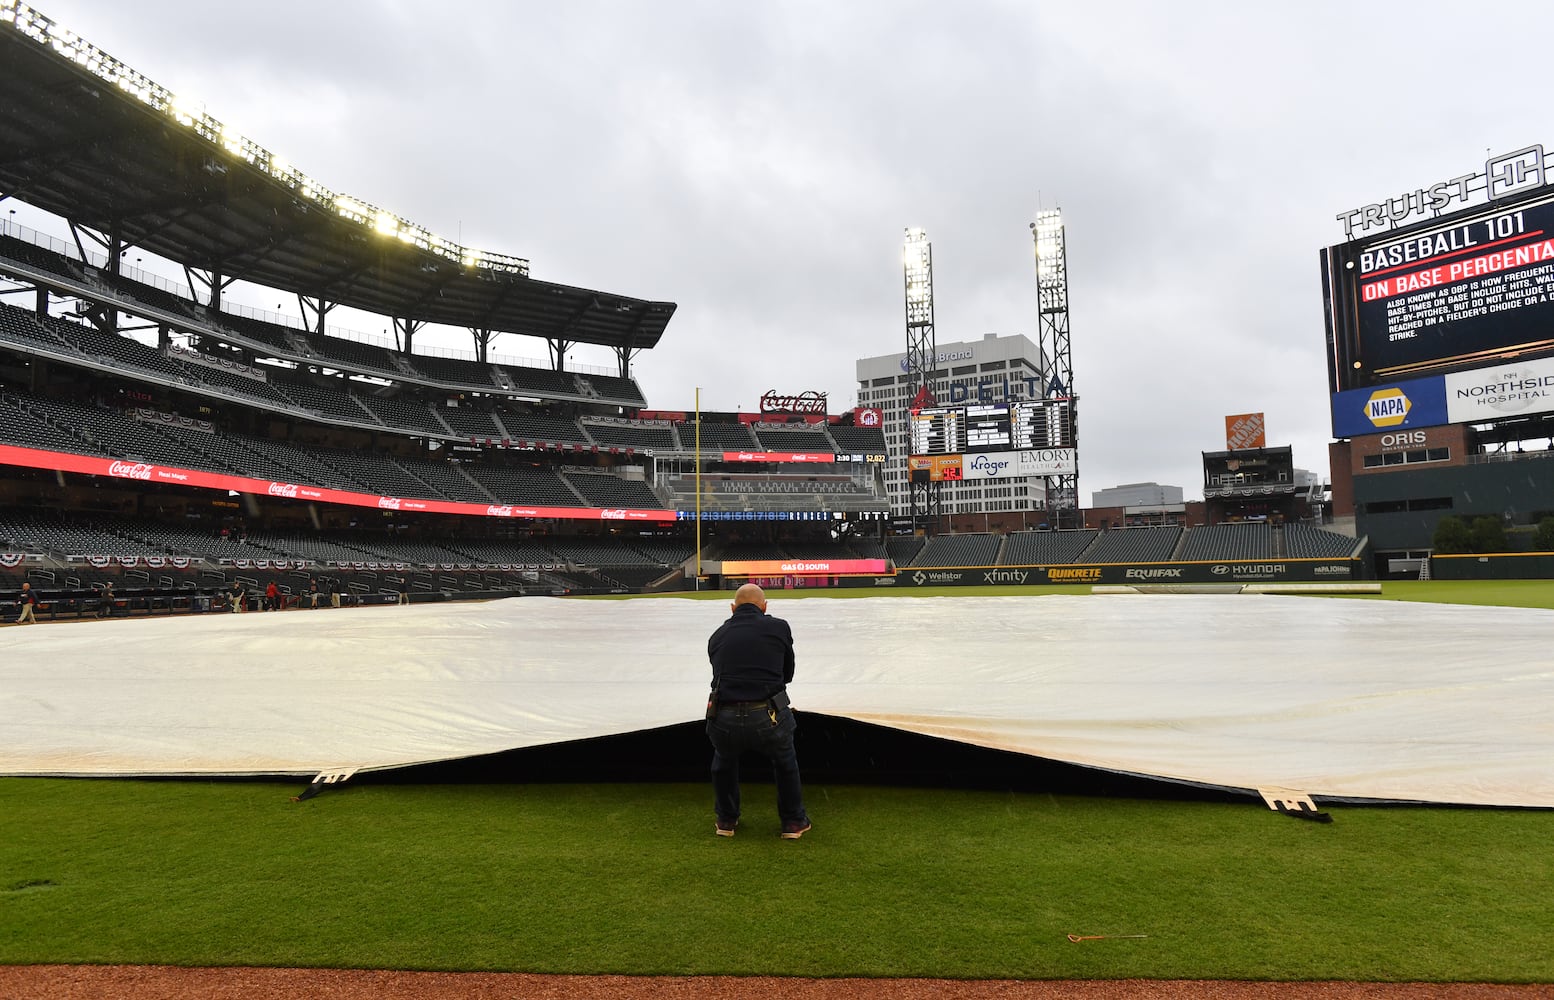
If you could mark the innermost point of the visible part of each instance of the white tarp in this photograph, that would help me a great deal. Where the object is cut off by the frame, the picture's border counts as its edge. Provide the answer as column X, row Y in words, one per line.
column 1337, row 698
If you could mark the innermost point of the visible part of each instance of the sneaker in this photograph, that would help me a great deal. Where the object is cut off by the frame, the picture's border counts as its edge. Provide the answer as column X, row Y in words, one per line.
column 792, row 830
column 725, row 827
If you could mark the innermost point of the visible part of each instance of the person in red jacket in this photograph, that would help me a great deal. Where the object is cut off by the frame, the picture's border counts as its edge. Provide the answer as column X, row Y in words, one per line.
column 272, row 597
column 28, row 601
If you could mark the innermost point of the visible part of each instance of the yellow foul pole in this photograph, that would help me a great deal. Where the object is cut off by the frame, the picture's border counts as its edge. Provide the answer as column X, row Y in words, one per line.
column 698, row 487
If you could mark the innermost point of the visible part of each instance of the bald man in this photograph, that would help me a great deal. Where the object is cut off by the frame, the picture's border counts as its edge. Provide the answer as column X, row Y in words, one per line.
column 752, row 664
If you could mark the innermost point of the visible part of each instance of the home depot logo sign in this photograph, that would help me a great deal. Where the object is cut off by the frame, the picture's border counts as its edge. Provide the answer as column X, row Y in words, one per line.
column 1387, row 407
column 1245, row 430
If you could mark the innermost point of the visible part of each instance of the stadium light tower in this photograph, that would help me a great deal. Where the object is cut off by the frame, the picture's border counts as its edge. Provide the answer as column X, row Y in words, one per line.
column 921, row 352
column 1057, row 359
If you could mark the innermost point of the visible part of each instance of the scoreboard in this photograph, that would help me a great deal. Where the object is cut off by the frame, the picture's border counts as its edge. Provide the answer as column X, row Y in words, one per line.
column 992, row 427
column 987, row 427
column 1048, row 423
column 1460, row 291
column 1020, row 438
column 936, row 430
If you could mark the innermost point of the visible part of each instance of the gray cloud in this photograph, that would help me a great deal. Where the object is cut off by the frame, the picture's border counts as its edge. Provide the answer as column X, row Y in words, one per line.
column 758, row 163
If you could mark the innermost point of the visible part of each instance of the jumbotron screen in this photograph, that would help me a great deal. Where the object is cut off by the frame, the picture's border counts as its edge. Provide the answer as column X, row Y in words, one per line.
column 1462, row 290
column 992, row 427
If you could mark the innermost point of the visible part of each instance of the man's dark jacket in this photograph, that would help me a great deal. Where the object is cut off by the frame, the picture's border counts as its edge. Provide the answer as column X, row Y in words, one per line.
column 751, row 654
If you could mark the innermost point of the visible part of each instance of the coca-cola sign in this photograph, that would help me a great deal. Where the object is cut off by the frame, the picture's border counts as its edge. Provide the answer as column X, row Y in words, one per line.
column 612, row 515
column 808, row 401
column 504, row 510
column 130, row 470
column 388, row 503
column 283, row 489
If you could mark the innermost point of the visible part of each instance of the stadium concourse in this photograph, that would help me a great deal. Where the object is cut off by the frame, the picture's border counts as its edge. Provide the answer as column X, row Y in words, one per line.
column 1347, row 700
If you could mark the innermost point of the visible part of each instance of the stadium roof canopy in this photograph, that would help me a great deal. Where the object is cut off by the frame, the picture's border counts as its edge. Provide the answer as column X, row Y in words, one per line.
column 94, row 142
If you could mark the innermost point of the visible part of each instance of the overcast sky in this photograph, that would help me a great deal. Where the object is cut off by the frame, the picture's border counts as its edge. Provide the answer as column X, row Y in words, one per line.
column 758, row 163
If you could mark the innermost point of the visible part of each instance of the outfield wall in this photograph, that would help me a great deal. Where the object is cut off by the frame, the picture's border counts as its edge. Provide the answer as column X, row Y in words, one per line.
column 1495, row 566
column 1211, row 571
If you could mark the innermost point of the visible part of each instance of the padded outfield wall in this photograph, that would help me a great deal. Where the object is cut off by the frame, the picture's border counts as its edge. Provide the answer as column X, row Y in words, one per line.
column 1220, row 571
column 1494, row 566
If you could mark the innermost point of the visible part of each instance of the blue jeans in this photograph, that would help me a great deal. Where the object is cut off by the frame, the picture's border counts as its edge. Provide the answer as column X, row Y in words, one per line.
column 739, row 728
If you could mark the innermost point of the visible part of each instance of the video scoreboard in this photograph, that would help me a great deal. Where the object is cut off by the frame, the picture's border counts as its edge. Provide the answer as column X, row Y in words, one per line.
column 1463, row 290
column 951, row 430
column 1022, row 438
column 989, row 427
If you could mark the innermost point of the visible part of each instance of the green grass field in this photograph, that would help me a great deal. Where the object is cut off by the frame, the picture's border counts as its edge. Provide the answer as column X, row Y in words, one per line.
column 891, row 882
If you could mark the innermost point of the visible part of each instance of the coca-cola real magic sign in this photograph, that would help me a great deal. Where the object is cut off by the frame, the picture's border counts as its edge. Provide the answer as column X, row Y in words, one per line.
column 148, row 472
column 808, row 401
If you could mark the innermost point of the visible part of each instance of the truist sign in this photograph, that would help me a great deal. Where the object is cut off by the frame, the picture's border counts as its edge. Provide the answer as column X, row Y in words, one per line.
column 808, row 401
column 1511, row 173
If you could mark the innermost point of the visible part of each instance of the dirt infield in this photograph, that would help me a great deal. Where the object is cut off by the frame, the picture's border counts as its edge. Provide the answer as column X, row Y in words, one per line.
column 116, row 982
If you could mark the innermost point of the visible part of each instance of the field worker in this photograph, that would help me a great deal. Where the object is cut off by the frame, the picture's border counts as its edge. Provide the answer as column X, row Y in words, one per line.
column 752, row 664
column 28, row 601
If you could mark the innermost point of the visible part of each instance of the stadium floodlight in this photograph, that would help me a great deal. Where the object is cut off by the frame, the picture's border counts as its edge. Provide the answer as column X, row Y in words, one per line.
column 17, row 16
column 918, row 366
column 350, row 208
column 1049, row 247
column 915, row 256
column 233, row 142
column 185, row 110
